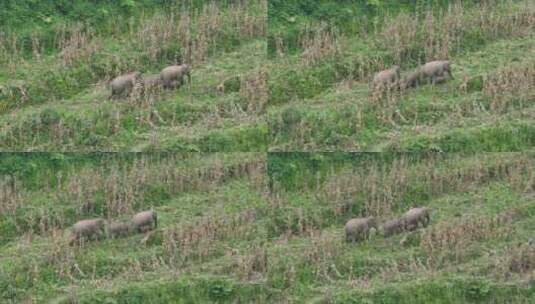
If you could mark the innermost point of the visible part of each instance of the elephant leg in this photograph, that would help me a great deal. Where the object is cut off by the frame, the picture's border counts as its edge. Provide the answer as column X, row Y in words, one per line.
column 449, row 73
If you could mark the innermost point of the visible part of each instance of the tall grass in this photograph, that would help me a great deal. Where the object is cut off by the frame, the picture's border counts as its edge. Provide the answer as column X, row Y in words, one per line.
column 160, row 39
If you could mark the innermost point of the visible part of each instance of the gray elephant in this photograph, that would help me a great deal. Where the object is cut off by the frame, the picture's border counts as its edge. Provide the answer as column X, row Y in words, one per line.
column 123, row 85
column 392, row 227
column 151, row 83
column 387, row 78
column 145, row 220
column 87, row 229
column 436, row 70
column 413, row 79
column 117, row 229
column 416, row 217
column 174, row 76
column 358, row 229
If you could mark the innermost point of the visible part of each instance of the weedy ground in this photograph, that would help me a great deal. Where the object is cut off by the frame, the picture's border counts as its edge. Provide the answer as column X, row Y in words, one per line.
column 57, row 98
column 240, row 227
column 321, row 98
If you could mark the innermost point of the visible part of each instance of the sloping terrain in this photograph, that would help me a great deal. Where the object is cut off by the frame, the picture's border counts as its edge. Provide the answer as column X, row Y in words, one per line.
column 321, row 98
column 239, row 227
column 54, row 93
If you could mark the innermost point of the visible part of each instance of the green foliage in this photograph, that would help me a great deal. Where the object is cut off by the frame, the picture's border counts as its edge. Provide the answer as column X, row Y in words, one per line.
column 59, row 90
column 514, row 137
column 240, row 243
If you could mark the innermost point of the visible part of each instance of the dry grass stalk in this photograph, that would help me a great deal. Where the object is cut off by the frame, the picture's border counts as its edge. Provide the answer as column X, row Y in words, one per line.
column 250, row 266
column 125, row 188
column 384, row 102
column 318, row 42
column 196, row 240
column 515, row 260
column 321, row 255
column 451, row 242
column 11, row 51
column 76, row 42
column 254, row 91
column 197, row 32
column 382, row 188
column 11, row 196
column 440, row 34
column 510, row 86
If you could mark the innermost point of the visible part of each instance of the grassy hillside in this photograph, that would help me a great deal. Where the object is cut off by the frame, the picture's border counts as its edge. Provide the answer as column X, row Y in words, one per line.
column 55, row 68
column 251, row 201
column 239, row 227
column 320, row 97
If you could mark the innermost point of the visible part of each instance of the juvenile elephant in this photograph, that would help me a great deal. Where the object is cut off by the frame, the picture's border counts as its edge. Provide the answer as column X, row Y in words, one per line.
column 173, row 76
column 124, row 84
column 416, row 217
column 117, row 229
column 387, row 78
column 145, row 220
column 359, row 228
column 89, row 228
column 151, row 83
column 436, row 70
column 392, row 227
column 412, row 79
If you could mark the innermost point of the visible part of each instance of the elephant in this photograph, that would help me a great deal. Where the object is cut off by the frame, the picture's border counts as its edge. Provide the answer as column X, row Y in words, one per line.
column 388, row 77
column 145, row 220
column 416, row 217
column 413, row 79
column 436, row 70
column 359, row 228
column 89, row 228
column 116, row 229
column 392, row 227
column 173, row 76
column 124, row 84
column 151, row 83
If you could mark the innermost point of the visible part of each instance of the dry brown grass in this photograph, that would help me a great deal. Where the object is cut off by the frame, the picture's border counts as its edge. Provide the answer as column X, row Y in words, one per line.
column 517, row 260
column 11, row 196
column 197, row 240
column 382, row 188
column 438, row 35
column 76, row 43
column 318, row 42
column 254, row 91
column 510, row 86
column 384, row 102
column 251, row 265
column 125, row 187
column 450, row 242
column 117, row 190
column 198, row 32
column 322, row 254
column 11, row 51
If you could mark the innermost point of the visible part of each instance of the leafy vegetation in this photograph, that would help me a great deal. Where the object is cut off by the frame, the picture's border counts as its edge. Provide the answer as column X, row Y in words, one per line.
column 251, row 203
column 320, row 94
column 53, row 83
column 243, row 227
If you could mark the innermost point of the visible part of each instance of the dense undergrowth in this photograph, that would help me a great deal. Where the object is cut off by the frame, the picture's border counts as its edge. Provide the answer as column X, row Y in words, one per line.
column 243, row 227
column 53, row 85
column 279, row 84
column 320, row 97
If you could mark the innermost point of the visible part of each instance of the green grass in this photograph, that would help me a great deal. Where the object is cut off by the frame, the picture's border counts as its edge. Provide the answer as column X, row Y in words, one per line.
column 223, row 237
column 47, row 104
column 253, row 186
column 327, row 105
